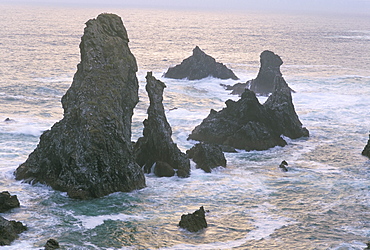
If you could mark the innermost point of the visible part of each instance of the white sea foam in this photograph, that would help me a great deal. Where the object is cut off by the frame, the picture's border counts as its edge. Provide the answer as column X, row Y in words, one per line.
column 90, row 222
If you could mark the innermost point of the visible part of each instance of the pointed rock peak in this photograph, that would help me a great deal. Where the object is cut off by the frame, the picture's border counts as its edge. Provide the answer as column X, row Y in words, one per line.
column 270, row 59
column 197, row 51
column 153, row 83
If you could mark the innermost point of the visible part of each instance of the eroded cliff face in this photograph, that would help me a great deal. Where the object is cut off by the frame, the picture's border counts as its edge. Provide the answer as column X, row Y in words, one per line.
column 199, row 66
column 249, row 125
column 156, row 145
column 89, row 152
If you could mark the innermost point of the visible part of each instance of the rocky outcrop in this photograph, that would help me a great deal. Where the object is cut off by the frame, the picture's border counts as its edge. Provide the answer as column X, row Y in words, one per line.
column 156, row 145
column 195, row 221
column 8, row 201
column 199, row 66
column 366, row 151
column 89, row 152
column 207, row 156
column 248, row 125
column 9, row 231
column 263, row 84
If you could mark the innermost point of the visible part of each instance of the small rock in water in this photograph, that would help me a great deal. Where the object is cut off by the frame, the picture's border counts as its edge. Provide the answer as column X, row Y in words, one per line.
column 51, row 244
column 283, row 165
column 195, row 221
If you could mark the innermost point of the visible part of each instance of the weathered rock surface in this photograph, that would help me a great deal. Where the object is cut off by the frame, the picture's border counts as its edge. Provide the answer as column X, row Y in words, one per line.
column 248, row 125
column 195, row 221
column 199, row 66
column 9, row 231
column 8, row 201
column 156, row 145
column 263, row 84
column 366, row 151
column 89, row 152
column 207, row 156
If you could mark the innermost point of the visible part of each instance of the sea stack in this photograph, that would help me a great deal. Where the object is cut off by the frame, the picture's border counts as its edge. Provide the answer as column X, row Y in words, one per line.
column 156, row 145
column 199, row 66
column 366, row 151
column 249, row 125
column 89, row 152
column 263, row 84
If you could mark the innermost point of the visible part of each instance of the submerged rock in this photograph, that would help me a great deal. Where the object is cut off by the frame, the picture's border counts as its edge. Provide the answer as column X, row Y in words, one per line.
column 263, row 84
column 8, row 201
column 195, row 221
column 248, row 125
column 9, row 231
column 89, row 152
column 366, row 151
column 207, row 156
column 156, row 145
column 199, row 66
column 51, row 244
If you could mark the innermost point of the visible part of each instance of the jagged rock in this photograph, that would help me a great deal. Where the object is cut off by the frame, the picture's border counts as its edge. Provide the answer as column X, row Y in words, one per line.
column 163, row 169
column 89, row 152
column 366, row 151
column 8, row 201
column 263, row 84
column 51, row 244
column 198, row 66
column 9, row 231
column 156, row 145
column 248, row 125
column 207, row 156
column 283, row 167
column 195, row 221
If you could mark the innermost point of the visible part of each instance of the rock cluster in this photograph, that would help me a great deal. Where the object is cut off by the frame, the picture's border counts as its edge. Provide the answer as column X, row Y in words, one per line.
column 199, row 66
column 156, row 145
column 89, row 152
column 248, row 125
column 195, row 221
column 207, row 156
column 263, row 84
column 8, row 201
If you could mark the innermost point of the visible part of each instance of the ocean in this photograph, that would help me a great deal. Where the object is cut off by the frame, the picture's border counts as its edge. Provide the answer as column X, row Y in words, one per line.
column 322, row 202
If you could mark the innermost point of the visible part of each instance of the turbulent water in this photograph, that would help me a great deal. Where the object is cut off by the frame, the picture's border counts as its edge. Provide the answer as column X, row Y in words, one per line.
column 322, row 202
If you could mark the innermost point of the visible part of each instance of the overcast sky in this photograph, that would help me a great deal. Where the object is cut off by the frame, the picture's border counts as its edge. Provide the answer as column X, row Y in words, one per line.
column 338, row 6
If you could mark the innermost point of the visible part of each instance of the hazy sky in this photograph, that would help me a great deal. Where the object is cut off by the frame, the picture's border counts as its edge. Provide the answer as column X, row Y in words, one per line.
column 338, row 6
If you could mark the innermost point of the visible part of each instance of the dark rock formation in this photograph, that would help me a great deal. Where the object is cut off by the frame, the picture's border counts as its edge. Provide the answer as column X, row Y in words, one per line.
column 195, row 221
column 51, row 244
column 264, row 82
column 248, row 125
column 283, row 167
column 163, row 169
column 8, row 201
column 198, row 66
column 366, row 151
column 156, row 145
column 207, row 156
column 9, row 231
column 89, row 152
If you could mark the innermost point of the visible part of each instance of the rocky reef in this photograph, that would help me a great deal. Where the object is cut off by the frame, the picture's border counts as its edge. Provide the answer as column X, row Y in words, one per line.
column 263, row 84
column 249, row 125
column 156, row 145
column 207, row 156
column 195, row 221
column 89, row 152
column 199, row 66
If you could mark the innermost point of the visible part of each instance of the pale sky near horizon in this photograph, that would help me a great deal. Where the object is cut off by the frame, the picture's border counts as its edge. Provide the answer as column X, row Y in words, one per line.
column 334, row 6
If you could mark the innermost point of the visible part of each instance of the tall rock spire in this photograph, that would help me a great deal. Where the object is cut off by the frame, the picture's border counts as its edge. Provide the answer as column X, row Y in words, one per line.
column 89, row 152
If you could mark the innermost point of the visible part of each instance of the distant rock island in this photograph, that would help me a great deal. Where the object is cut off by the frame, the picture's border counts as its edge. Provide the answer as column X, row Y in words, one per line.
column 199, row 66
column 156, row 146
column 89, row 152
column 263, row 84
column 366, row 151
column 249, row 125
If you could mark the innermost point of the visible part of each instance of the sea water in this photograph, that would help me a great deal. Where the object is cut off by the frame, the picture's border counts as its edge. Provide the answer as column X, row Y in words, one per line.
column 322, row 202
